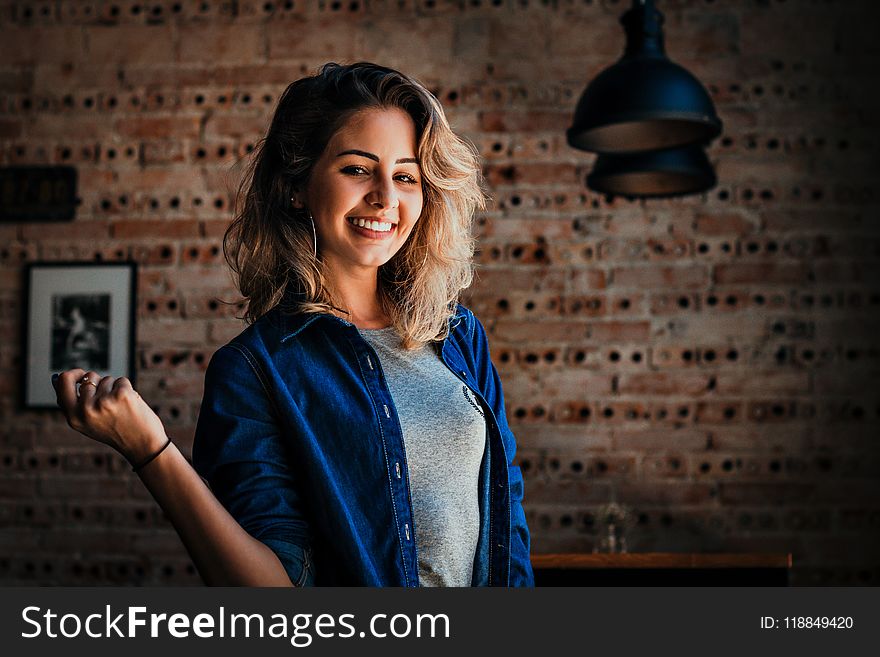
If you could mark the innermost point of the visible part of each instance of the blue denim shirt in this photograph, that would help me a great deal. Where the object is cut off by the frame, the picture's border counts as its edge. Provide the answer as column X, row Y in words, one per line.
column 299, row 439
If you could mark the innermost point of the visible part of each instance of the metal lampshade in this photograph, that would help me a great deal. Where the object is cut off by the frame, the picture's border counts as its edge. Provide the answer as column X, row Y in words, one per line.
column 644, row 101
column 669, row 172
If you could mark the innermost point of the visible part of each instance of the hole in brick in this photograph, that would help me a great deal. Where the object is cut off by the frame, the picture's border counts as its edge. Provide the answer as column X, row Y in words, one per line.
column 729, row 413
column 705, row 467
column 683, row 411
column 614, row 356
column 584, row 412
column 608, row 411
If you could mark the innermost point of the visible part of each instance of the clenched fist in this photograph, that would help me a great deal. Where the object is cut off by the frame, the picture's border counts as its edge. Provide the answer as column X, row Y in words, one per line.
column 110, row 411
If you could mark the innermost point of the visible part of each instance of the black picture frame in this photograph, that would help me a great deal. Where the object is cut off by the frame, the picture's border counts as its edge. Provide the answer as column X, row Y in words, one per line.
column 76, row 314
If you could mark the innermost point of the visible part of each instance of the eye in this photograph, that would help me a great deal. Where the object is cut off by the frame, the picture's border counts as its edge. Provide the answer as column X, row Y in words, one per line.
column 358, row 170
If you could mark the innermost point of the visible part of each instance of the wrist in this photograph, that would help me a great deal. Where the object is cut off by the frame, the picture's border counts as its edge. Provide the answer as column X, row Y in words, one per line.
column 141, row 450
column 136, row 467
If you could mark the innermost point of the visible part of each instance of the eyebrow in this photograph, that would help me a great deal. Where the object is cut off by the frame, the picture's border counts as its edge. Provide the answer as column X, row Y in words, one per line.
column 403, row 160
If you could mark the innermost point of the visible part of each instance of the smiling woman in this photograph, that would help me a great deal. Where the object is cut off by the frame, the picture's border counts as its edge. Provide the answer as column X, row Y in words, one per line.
column 379, row 143
column 355, row 433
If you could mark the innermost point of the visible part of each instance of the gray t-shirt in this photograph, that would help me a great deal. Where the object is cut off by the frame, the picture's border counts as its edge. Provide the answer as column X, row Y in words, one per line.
column 444, row 432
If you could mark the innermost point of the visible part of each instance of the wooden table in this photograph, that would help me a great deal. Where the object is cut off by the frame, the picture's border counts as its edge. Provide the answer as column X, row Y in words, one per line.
column 662, row 569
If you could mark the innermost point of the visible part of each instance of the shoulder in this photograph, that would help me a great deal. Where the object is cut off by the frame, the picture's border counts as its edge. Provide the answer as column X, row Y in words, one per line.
column 466, row 328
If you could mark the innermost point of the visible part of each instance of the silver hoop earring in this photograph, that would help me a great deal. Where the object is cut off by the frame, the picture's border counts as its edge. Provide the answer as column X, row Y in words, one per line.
column 314, row 234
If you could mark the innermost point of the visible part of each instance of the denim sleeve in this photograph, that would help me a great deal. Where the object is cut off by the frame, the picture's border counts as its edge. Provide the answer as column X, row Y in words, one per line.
column 520, row 544
column 239, row 452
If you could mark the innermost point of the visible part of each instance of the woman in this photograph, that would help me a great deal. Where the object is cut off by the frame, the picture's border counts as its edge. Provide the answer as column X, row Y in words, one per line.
column 354, row 433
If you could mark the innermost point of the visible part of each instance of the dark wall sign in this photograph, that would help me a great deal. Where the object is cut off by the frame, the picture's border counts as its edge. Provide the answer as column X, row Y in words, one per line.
column 37, row 193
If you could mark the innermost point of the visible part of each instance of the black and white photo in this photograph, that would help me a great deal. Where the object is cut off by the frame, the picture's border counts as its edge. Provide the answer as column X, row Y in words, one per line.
column 78, row 315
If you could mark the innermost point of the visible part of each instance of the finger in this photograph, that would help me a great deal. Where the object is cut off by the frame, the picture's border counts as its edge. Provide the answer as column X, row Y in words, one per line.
column 65, row 389
column 122, row 382
column 123, row 385
column 87, row 391
column 105, row 385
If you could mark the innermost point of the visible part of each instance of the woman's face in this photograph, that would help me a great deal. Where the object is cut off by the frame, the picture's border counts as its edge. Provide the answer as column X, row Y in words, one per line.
column 369, row 172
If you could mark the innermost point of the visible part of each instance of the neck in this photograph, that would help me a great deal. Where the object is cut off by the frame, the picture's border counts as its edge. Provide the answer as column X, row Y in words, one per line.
column 356, row 290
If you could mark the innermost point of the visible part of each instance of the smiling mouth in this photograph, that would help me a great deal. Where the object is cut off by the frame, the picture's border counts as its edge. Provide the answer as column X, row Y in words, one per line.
column 367, row 231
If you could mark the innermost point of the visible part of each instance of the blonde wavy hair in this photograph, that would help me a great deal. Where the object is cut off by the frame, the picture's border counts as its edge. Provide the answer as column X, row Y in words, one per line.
column 269, row 244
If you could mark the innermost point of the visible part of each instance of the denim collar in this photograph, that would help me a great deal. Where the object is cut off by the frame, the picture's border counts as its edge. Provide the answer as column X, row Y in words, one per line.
column 291, row 323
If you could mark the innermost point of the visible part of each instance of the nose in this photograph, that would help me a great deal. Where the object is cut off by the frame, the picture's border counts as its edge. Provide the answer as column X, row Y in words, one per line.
column 383, row 194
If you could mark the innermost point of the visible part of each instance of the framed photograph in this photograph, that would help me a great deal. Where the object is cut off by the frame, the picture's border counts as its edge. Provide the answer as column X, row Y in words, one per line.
column 76, row 314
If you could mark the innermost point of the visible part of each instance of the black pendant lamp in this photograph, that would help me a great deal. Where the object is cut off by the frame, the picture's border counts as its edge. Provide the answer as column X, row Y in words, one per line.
column 661, row 173
column 642, row 103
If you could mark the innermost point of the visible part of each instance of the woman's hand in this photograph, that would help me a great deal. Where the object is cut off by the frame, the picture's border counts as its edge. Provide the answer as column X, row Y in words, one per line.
column 110, row 411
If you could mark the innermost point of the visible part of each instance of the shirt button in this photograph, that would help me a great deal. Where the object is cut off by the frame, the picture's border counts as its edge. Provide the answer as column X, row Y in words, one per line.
column 406, row 529
column 464, row 374
column 387, row 414
column 397, row 469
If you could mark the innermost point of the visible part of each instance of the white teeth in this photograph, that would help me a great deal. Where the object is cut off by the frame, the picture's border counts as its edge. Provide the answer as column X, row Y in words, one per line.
column 372, row 225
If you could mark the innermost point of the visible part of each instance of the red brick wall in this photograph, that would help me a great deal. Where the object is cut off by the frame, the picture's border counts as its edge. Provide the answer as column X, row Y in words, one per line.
column 707, row 361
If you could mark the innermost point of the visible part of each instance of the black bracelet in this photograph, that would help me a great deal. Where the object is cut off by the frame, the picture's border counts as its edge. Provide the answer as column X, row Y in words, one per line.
column 138, row 467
